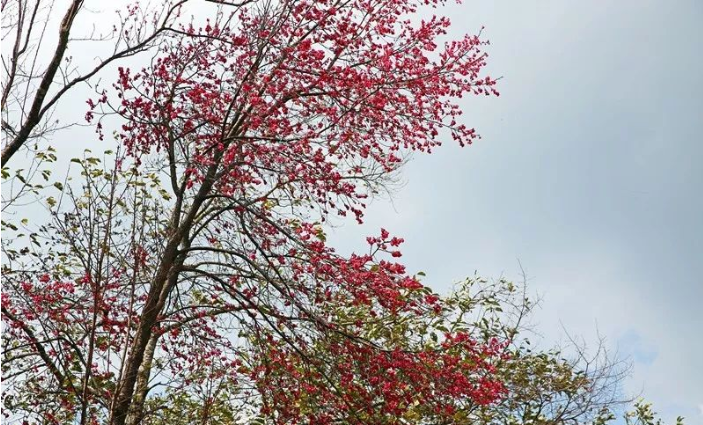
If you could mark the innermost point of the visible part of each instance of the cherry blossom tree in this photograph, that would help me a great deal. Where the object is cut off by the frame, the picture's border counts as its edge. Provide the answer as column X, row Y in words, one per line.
column 261, row 123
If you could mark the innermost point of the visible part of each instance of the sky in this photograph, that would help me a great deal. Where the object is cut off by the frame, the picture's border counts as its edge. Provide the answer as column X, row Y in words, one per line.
column 588, row 176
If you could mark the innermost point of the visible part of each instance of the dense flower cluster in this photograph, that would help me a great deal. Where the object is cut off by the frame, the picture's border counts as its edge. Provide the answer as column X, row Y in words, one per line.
column 314, row 98
column 365, row 385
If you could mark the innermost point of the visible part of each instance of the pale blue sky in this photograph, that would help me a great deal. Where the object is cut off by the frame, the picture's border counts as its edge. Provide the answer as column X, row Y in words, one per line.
column 589, row 173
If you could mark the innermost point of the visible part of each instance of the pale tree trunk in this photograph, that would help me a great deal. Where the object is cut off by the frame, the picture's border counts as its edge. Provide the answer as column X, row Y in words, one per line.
column 136, row 412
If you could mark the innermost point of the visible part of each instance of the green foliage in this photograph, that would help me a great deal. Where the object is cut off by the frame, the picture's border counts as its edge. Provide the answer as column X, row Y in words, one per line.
column 642, row 414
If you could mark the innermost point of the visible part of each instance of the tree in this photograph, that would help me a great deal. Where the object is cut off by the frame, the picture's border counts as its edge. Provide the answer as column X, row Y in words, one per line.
column 31, row 89
column 271, row 117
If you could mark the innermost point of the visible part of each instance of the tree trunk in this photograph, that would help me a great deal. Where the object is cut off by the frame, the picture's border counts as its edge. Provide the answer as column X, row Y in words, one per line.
column 136, row 410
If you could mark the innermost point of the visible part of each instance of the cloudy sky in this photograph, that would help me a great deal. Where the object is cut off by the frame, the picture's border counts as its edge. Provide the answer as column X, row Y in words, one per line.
column 589, row 174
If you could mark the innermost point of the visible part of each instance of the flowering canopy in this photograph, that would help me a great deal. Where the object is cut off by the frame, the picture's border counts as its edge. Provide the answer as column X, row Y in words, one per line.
column 263, row 123
column 308, row 95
